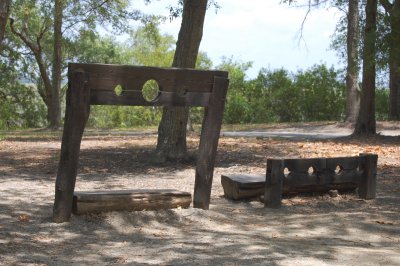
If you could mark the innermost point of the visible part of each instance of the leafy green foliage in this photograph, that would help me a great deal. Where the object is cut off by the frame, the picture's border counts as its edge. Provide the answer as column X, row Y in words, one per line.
column 316, row 94
column 381, row 104
column 20, row 105
column 322, row 94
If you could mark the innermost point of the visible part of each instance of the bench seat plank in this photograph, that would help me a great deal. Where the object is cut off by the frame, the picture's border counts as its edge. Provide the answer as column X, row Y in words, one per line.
column 129, row 200
column 242, row 186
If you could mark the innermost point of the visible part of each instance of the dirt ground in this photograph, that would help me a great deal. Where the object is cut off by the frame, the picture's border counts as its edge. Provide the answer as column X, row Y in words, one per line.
column 307, row 230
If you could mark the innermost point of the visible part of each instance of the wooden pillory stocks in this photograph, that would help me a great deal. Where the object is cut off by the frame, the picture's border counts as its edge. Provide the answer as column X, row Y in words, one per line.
column 95, row 84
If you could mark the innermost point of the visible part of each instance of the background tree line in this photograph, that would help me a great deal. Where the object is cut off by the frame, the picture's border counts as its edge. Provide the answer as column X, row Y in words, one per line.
column 38, row 38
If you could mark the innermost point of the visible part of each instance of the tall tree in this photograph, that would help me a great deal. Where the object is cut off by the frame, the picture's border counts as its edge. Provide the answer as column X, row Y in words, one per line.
column 352, row 88
column 55, row 118
column 352, row 41
column 366, row 123
column 393, row 12
column 47, row 28
column 4, row 11
column 171, row 143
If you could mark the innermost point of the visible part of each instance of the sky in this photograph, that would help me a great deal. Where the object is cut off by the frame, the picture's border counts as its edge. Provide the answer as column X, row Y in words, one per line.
column 264, row 32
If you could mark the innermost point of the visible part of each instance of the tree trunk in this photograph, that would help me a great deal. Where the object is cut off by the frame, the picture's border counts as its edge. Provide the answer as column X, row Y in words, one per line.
column 366, row 123
column 394, row 61
column 37, row 51
column 353, row 97
column 4, row 12
column 171, row 144
column 55, row 118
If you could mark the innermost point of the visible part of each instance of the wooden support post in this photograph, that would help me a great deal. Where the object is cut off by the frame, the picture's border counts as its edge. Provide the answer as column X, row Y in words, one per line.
column 210, row 132
column 367, row 186
column 274, row 183
column 77, row 113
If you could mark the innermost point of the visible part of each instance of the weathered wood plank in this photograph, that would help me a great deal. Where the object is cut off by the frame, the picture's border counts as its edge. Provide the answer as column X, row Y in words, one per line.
column 107, row 77
column 344, row 162
column 129, row 200
column 95, row 84
column 303, row 165
column 242, row 186
column 367, row 186
column 76, row 115
column 352, row 172
column 135, row 98
column 210, row 132
column 274, row 185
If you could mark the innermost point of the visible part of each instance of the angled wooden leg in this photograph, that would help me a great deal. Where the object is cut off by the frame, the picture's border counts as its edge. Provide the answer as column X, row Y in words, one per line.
column 208, row 144
column 77, row 113
column 367, row 185
column 274, row 184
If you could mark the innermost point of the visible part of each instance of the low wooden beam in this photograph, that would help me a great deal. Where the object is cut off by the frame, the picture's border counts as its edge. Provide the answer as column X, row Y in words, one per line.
column 129, row 200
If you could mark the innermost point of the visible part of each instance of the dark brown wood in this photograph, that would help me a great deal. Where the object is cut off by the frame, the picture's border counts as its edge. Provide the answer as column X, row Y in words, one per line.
column 77, row 113
column 132, row 78
column 274, row 185
column 367, row 186
column 242, row 186
column 340, row 173
column 208, row 144
column 95, row 84
column 129, row 200
column 135, row 98
column 303, row 165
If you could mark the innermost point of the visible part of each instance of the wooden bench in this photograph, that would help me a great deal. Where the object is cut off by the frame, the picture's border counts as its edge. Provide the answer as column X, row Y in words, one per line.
column 129, row 200
column 287, row 176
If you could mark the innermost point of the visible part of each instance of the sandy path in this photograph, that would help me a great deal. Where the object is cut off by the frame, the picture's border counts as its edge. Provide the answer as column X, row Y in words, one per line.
column 306, row 231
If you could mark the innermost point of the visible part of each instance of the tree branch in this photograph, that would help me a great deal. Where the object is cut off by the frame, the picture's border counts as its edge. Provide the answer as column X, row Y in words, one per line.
column 86, row 15
column 24, row 38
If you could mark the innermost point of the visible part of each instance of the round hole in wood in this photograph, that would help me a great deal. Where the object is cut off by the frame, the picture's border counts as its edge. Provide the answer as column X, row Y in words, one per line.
column 338, row 169
column 150, row 90
column 118, row 90
column 286, row 172
column 311, row 170
column 182, row 92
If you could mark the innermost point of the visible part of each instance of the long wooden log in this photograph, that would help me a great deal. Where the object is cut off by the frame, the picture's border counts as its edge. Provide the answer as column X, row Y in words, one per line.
column 129, row 200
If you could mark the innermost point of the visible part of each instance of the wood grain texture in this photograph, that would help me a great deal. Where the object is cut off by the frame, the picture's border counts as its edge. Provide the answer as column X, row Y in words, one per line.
column 209, row 138
column 367, row 185
column 132, row 78
column 135, row 98
column 77, row 113
column 129, row 200
column 340, row 173
column 242, row 186
column 96, row 83
column 274, row 185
